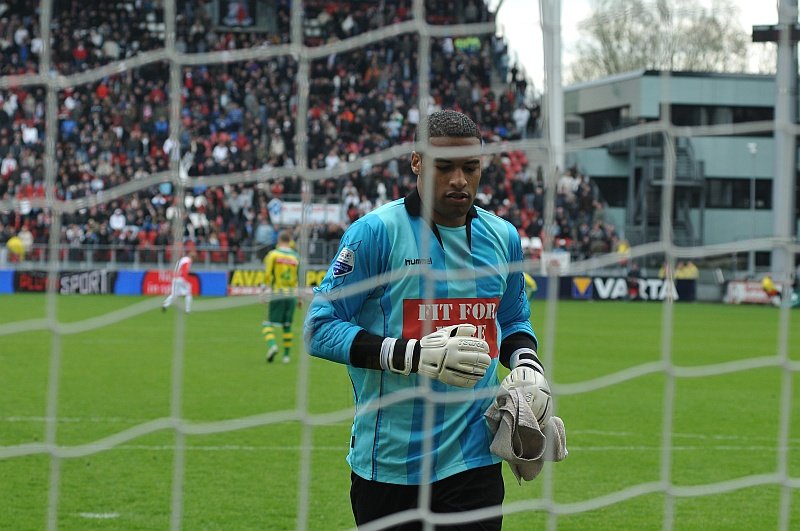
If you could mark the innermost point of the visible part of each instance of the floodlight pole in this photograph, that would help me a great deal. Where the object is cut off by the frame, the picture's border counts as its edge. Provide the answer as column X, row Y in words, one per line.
column 786, row 34
column 553, row 91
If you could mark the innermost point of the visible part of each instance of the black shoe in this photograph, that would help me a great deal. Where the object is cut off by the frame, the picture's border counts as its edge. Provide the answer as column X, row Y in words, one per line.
column 271, row 354
column 163, row 309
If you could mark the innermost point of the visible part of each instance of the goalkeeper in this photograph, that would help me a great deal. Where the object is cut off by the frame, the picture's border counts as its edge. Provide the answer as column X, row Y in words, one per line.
column 387, row 335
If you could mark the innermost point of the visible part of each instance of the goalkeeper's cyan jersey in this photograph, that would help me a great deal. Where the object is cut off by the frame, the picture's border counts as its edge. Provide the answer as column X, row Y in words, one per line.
column 473, row 284
column 280, row 269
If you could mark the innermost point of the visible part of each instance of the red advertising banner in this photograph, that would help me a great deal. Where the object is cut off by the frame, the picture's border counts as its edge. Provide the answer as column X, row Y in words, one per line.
column 745, row 291
column 480, row 312
column 157, row 282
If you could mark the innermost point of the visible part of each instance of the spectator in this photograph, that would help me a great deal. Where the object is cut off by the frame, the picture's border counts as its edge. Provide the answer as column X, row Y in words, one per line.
column 664, row 271
column 26, row 237
column 633, row 277
column 771, row 290
column 686, row 270
column 521, row 117
column 14, row 247
column 117, row 221
column 264, row 238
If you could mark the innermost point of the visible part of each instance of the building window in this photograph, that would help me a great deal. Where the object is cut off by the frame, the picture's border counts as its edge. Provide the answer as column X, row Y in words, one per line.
column 718, row 114
column 763, row 194
column 736, row 193
column 614, row 190
column 763, row 258
column 600, row 122
column 728, row 193
column 797, row 200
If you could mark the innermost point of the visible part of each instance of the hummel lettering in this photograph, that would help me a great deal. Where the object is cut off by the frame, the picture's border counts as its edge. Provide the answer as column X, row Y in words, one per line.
column 418, row 261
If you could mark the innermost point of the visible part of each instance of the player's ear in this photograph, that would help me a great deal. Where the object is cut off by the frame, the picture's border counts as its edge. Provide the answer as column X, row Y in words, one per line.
column 416, row 163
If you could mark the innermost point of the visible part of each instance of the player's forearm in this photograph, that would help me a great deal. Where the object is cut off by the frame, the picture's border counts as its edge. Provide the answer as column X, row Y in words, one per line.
column 452, row 355
column 366, row 351
column 366, row 348
column 327, row 336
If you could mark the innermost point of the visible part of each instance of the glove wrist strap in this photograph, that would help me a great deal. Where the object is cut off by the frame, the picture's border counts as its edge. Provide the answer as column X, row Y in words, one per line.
column 526, row 357
column 397, row 355
column 387, row 349
column 408, row 359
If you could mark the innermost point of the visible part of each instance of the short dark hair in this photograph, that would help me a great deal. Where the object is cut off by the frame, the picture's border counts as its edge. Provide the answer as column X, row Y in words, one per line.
column 449, row 123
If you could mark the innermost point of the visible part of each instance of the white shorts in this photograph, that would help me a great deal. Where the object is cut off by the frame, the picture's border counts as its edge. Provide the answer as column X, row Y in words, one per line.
column 181, row 288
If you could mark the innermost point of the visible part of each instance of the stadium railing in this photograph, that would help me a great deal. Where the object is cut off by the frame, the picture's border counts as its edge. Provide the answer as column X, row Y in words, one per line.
column 70, row 257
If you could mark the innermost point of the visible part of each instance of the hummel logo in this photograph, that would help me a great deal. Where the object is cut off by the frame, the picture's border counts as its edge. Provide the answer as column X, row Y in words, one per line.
column 418, row 261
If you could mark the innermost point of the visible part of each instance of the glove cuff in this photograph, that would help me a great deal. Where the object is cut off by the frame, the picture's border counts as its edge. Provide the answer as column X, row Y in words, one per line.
column 412, row 348
column 526, row 357
column 397, row 355
column 387, row 349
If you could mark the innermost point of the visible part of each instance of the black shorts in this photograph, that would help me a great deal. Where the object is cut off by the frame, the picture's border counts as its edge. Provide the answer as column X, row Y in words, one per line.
column 472, row 489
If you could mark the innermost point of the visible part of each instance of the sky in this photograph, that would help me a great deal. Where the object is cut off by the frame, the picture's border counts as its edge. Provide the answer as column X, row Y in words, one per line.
column 519, row 22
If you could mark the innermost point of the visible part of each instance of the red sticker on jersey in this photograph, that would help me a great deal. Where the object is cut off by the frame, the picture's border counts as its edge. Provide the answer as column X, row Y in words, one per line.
column 445, row 312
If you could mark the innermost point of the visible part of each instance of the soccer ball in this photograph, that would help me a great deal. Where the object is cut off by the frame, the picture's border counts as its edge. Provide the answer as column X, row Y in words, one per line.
column 536, row 390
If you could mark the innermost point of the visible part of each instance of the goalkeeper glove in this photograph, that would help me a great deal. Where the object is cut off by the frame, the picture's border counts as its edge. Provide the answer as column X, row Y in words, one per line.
column 527, row 376
column 451, row 355
column 454, row 356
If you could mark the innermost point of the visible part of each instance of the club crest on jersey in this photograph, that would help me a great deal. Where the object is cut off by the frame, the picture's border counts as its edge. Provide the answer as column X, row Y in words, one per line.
column 345, row 263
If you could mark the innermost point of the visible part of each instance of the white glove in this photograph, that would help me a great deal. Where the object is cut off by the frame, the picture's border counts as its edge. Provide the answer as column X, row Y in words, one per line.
column 534, row 386
column 453, row 356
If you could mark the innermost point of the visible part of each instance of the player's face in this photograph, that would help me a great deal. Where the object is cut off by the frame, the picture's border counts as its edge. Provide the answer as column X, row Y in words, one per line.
column 455, row 181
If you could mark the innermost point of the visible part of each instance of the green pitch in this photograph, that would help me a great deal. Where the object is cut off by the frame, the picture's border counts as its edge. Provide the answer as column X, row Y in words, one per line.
column 118, row 378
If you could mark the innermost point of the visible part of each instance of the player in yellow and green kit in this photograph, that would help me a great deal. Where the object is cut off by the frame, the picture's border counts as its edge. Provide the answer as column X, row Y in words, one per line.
column 280, row 268
column 530, row 286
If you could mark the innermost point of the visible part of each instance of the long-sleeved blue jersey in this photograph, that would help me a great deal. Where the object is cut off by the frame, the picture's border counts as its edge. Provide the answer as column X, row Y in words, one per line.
column 468, row 280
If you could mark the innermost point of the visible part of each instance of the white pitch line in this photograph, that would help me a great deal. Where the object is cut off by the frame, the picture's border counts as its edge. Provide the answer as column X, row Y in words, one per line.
column 227, row 448
column 99, row 516
column 573, row 433
column 599, row 433
column 680, row 448
column 77, row 420
column 223, row 448
column 124, row 420
column 343, row 448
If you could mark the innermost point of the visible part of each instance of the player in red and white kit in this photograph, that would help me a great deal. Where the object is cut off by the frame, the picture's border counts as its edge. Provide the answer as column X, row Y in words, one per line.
column 180, row 283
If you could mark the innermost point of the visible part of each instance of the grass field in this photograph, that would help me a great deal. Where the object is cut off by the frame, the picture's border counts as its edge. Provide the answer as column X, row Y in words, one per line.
column 117, row 377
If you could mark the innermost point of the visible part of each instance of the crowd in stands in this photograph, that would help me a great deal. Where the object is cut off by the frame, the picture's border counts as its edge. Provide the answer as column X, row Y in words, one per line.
column 240, row 116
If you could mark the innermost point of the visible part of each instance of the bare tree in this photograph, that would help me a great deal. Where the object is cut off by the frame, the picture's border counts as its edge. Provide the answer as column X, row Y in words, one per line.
column 624, row 35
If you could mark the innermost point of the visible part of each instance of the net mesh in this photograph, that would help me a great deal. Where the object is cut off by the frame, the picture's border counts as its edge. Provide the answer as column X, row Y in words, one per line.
column 164, row 60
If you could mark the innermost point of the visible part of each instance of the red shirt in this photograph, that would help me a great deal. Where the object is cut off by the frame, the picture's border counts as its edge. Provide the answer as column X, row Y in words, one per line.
column 182, row 268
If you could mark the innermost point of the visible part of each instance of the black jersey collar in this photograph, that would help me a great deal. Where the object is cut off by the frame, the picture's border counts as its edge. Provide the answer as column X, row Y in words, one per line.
column 413, row 204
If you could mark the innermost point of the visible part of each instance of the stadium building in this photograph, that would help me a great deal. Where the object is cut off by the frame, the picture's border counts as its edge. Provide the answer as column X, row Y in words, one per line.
column 723, row 183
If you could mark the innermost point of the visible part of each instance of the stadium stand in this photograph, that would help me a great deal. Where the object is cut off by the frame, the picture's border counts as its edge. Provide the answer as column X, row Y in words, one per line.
column 238, row 116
